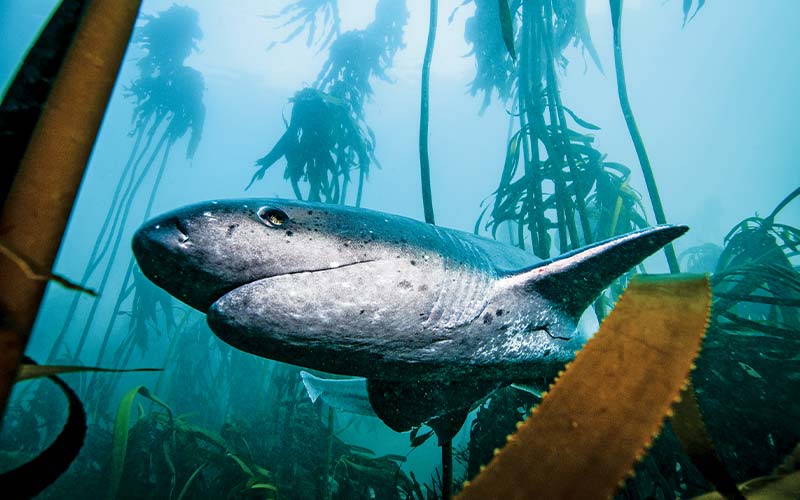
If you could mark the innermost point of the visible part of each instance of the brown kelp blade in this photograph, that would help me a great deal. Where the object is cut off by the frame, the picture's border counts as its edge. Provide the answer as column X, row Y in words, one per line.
column 23, row 102
column 604, row 410
column 31, row 478
column 28, row 371
column 50, row 171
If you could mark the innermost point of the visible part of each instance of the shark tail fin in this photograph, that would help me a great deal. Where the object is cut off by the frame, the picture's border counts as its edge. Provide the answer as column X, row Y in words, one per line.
column 575, row 279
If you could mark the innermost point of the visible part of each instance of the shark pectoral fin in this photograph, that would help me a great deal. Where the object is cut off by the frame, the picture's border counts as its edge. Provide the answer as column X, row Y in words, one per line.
column 347, row 394
column 442, row 405
column 312, row 387
column 575, row 279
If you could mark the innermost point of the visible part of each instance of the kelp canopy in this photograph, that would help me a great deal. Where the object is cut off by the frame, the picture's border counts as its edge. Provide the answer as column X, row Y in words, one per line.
column 556, row 191
column 321, row 145
column 327, row 137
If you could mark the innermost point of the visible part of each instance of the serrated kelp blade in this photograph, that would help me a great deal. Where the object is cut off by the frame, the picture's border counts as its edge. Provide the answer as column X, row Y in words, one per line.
column 604, row 410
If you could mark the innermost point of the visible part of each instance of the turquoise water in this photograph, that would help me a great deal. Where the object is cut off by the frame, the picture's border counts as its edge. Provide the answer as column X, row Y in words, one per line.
column 714, row 100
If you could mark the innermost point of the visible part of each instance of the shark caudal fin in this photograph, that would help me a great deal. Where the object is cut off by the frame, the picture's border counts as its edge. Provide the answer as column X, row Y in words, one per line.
column 575, row 279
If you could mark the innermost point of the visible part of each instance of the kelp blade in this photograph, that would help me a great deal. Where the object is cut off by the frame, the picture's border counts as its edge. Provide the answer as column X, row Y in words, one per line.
column 604, row 410
column 29, row 371
column 51, row 169
column 507, row 27
column 23, row 102
column 31, row 478
column 121, row 425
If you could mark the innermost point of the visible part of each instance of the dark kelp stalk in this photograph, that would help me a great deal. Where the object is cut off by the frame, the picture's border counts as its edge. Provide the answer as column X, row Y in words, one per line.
column 41, row 196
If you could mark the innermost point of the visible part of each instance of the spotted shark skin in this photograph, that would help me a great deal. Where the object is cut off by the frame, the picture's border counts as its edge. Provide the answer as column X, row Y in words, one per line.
column 364, row 293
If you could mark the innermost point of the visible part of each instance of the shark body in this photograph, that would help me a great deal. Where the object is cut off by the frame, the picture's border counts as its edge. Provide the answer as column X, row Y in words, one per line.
column 434, row 318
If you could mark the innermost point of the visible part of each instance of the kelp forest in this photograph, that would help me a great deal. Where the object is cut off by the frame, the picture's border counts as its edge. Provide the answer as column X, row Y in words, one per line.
column 158, row 407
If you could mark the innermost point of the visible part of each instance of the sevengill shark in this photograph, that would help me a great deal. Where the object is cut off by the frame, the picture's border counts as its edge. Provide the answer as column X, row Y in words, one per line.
column 434, row 318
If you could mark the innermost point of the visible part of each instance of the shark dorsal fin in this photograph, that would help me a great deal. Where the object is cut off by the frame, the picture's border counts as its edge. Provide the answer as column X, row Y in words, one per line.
column 575, row 279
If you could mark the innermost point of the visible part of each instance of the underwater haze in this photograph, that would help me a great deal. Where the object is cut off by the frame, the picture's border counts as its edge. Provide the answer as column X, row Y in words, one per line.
column 321, row 100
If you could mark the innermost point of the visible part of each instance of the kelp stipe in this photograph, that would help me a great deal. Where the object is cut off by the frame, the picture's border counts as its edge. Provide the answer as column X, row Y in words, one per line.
column 590, row 198
column 169, row 104
column 52, row 168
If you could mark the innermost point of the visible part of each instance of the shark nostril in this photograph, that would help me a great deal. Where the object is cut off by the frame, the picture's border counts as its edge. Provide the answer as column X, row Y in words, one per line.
column 183, row 231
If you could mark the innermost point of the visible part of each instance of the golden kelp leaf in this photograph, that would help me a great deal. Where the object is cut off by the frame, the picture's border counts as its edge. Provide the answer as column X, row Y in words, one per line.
column 39, row 202
column 603, row 412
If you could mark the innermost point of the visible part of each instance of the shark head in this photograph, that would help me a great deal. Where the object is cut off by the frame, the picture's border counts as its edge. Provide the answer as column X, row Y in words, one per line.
column 201, row 252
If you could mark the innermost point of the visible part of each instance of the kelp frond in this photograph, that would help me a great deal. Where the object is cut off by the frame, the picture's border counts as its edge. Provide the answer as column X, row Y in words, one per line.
column 690, row 9
column 320, row 17
column 611, row 206
column 490, row 33
column 168, row 38
column 755, row 277
column 322, row 144
column 327, row 137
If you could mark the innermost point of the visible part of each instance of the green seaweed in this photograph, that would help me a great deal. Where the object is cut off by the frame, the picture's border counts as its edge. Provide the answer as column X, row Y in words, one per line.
column 555, row 188
column 755, row 276
column 121, row 425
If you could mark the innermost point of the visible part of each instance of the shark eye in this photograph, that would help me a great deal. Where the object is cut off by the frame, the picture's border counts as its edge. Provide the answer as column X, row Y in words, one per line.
column 272, row 216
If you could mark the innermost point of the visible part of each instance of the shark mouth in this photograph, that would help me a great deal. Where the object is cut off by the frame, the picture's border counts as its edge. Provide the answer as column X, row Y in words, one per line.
column 332, row 267
column 342, row 319
column 266, row 279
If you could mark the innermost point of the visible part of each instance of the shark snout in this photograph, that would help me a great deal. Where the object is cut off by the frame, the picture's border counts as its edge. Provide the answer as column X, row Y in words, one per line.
column 154, row 243
column 161, row 233
column 190, row 253
column 163, row 249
